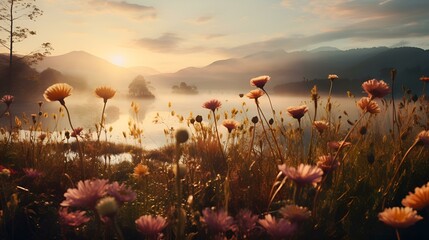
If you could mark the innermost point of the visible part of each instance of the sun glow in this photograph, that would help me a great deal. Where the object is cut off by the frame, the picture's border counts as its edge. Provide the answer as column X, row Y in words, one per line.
column 118, row 60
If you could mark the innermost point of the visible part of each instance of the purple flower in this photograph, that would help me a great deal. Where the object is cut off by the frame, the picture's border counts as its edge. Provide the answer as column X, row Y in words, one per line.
column 217, row 222
column 121, row 193
column 151, row 226
column 277, row 229
column 73, row 219
column 86, row 194
column 246, row 221
column 32, row 173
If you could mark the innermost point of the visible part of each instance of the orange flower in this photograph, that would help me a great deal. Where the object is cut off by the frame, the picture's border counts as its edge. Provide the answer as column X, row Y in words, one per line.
column 212, row 104
column 375, row 88
column 297, row 112
column 399, row 217
column 259, row 81
column 255, row 94
column 419, row 199
column 332, row 77
column 367, row 105
column 336, row 145
column 141, row 170
column 105, row 93
column 327, row 163
column 230, row 124
column 58, row 92
column 423, row 137
column 424, row 79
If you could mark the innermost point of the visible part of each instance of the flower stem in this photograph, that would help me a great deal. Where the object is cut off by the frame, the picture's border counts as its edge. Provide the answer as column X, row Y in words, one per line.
column 397, row 234
column 101, row 122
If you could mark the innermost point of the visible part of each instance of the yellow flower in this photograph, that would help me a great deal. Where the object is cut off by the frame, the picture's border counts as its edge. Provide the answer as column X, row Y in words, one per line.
column 141, row 170
column 105, row 93
column 58, row 92
column 419, row 199
column 399, row 217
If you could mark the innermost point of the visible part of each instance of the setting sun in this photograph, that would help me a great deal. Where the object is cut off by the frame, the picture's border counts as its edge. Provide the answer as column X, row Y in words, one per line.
column 117, row 60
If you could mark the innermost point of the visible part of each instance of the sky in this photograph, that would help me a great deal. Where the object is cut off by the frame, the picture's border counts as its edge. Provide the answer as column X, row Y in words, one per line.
column 169, row 35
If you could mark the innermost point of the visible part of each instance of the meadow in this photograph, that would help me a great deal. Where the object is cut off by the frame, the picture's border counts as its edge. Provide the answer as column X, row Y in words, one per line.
column 227, row 175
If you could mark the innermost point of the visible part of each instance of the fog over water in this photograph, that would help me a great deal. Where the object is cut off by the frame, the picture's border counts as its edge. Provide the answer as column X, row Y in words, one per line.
column 85, row 110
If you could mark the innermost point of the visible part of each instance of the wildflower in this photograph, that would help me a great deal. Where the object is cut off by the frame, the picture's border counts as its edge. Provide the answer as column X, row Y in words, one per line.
column 32, row 173
column 230, row 124
column 259, row 81
column 86, row 194
column 297, row 112
column 182, row 135
column 140, row 171
column 327, row 163
column 367, row 105
column 336, row 145
column 419, row 199
column 303, row 174
column 121, row 193
column 217, row 222
column 73, row 219
column 151, row 226
column 255, row 94
column 107, row 207
column 295, row 213
column 424, row 79
column 375, row 88
column 246, row 221
column 76, row 132
column 58, row 92
column 255, row 120
column 105, row 93
column 5, row 172
column 423, row 137
column 199, row 118
column 399, row 217
column 212, row 104
column 277, row 229
column 42, row 137
column 321, row 125
column 332, row 77
column 7, row 99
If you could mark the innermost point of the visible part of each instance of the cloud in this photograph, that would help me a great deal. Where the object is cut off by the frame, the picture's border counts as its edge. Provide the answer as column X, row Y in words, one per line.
column 367, row 20
column 165, row 43
column 134, row 10
column 214, row 36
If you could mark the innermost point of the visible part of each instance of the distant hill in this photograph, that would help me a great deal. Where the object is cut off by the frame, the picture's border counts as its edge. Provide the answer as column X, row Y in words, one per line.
column 95, row 70
column 356, row 65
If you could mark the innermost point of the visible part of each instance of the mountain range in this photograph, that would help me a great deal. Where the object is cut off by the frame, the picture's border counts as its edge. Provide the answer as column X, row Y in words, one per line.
column 286, row 69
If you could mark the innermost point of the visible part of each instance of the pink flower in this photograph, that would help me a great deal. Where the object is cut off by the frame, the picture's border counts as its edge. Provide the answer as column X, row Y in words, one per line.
column 424, row 79
column 217, row 222
column 321, row 126
column 121, row 192
column 76, row 132
column 303, row 174
column 7, row 99
column 259, row 81
column 73, row 219
column 150, row 226
column 86, row 194
column 297, row 112
column 32, row 173
column 212, row 104
column 277, row 229
column 336, row 145
column 327, row 163
column 375, row 88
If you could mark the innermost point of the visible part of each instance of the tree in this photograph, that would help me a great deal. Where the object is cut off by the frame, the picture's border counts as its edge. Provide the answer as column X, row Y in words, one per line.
column 139, row 88
column 10, row 12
